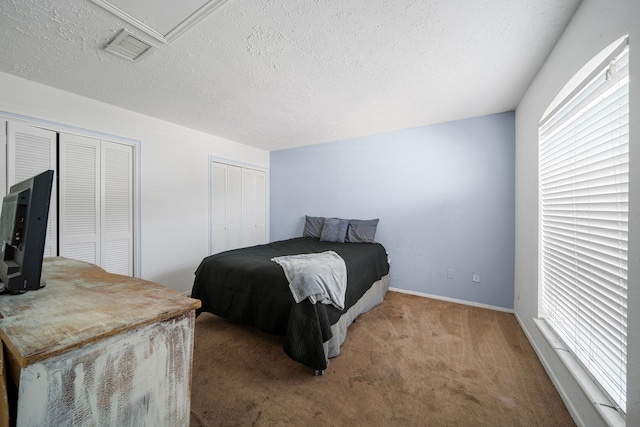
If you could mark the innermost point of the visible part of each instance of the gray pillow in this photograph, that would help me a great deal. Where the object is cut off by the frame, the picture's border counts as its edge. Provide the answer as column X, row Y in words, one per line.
column 334, row 230
column 361, row 231
column 313, row 226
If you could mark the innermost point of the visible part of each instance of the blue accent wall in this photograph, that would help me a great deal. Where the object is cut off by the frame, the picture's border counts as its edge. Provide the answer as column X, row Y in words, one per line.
column 444, row 195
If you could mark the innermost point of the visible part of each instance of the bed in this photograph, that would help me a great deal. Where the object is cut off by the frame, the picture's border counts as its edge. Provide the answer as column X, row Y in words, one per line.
column 246, row 286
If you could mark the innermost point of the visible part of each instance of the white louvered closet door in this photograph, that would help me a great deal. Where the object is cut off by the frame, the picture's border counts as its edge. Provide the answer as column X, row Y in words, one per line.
column 116, row 179
column 30, row 151
column 80, row 198
column 96, row 202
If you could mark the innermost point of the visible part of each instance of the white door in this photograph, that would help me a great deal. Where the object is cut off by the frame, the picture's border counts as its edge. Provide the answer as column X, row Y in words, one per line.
column 260, row 209
column 226, row 207
column 253, row 207
column 248, row 206
column 80, row 198
column 96, row 202
column 30, row 151
column 234, row 207
column 238, row 207
column 218, row 207
column 116, row 190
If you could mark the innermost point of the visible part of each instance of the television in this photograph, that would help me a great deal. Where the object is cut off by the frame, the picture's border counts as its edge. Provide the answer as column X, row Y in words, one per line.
column 23, row 230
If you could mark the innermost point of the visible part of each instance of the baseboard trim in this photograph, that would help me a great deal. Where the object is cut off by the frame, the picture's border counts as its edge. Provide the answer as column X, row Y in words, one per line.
column 457, row 301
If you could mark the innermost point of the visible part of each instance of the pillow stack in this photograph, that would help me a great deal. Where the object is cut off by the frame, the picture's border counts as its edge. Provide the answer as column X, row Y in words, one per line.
column 340, row 230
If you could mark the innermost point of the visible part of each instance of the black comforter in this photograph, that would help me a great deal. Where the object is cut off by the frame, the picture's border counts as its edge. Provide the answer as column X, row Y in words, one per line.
column 245, row 286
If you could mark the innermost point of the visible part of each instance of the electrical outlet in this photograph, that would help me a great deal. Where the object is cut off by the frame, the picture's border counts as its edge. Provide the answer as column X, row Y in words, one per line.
column 476, row 277
column 451, row 274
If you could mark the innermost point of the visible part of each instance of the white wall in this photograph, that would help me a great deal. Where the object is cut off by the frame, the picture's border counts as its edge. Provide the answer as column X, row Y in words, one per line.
column 594, row 26
column 174, row 191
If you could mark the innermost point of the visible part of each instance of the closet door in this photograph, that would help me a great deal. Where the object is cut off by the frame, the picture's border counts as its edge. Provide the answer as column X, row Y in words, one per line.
column 234, row 207
column 218, row 207
column 253, row 207
column 226, row 207
column 238, row 207
column 96, row 202
column 260, row 209
column 80, row 198
column 116, row 190
column 30, row 151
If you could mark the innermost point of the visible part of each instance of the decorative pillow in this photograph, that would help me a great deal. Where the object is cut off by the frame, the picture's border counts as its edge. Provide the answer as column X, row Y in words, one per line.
column 334, row 230
column 361, row 231
column 313, row 226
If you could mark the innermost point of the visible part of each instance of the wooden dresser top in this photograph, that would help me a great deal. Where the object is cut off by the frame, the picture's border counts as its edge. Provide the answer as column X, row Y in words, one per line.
column 81, row 303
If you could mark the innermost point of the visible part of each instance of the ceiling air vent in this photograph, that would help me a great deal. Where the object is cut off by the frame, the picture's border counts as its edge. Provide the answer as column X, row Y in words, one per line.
column 128, row 46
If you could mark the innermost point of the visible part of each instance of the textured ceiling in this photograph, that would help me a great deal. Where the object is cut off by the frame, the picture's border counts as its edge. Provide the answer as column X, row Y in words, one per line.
column 283, row 73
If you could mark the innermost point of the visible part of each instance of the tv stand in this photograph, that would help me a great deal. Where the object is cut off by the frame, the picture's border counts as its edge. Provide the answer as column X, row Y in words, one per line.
column 93, row 348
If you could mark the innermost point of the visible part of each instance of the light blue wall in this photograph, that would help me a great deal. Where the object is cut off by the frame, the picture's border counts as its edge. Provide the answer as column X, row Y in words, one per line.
column 444, row 195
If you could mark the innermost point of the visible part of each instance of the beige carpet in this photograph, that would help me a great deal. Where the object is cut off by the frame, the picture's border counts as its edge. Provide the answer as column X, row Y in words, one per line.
column 411, row 361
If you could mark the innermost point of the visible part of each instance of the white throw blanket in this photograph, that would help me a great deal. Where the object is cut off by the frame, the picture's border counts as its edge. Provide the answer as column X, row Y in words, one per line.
column 321, row 277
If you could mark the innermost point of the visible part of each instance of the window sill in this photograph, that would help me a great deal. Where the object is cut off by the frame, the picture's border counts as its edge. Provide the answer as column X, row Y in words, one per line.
column 610, row 416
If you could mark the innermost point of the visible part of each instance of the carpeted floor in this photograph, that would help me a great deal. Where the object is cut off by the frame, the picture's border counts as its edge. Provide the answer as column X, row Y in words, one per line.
column 411, row 361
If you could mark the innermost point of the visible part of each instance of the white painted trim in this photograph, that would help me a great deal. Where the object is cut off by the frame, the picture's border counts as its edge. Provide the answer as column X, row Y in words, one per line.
column 3, row 157
column 457, row 301
column 610, row 416
column 600, row 401
column 61, row 127
column 137, row 211
column 176, row 32
column 583, row 76
column 575, row 414
column 226, row 161
column 131, row 20
column 192, row 20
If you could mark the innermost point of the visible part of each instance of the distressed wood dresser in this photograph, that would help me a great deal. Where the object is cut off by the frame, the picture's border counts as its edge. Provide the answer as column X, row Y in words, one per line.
column 93, row 348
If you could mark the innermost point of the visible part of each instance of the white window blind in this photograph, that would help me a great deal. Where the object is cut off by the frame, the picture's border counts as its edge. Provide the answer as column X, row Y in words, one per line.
column 584, row 175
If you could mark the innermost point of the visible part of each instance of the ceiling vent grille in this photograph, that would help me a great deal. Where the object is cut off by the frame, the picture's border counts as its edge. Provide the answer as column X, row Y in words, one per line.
column 128, row 46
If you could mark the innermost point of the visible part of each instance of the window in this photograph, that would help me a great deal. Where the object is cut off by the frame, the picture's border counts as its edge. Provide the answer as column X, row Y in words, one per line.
column 583, row 175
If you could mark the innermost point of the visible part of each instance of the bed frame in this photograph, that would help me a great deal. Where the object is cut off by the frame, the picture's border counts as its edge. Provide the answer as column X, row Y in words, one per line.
column 247, row 287
column 373, row 297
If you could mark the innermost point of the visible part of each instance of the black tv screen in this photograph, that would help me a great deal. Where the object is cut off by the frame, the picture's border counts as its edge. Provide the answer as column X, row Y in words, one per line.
column 23, row 230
